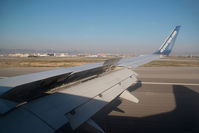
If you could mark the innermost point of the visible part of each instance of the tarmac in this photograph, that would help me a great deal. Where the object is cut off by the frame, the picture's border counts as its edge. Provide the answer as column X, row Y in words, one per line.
column 168, row 101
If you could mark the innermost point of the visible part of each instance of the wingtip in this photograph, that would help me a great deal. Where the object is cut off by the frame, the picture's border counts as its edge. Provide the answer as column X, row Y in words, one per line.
column 166, row 47
column 178, row 27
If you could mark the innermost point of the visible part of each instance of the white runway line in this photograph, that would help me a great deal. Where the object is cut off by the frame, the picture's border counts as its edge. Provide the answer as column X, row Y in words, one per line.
column 165, row 83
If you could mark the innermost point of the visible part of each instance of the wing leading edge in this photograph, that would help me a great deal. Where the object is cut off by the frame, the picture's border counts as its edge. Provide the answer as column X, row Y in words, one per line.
column 74, row 104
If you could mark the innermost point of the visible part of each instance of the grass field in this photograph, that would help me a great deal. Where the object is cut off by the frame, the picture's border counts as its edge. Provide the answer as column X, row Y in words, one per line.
column 47, row 62
column 177, row 63
column 68, row 62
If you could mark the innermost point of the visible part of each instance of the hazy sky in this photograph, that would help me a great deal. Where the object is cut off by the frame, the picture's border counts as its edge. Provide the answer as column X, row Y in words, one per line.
column 133, row 26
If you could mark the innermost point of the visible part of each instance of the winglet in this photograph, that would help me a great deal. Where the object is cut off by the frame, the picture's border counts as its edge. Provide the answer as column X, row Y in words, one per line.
column 167, row 46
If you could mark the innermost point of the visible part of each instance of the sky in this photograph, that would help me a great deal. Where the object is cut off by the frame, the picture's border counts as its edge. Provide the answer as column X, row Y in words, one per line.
column 118, row 26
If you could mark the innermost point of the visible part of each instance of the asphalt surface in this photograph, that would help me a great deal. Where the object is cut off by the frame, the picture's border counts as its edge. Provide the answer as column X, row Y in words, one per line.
column 168, row 102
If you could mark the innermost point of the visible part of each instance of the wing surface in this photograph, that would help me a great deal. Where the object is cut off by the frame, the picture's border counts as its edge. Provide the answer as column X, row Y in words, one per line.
column 8, row 83
column 69, row 96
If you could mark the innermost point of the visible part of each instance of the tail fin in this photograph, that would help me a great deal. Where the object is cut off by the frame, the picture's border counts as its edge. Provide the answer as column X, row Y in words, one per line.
column 167, row 46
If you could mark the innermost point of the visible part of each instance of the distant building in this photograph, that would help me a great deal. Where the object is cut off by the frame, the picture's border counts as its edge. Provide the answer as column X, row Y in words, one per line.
column 42, row 55
column 33, row 55
column 62, row 55
column 92, row 56
column 51, row 54
column 83, row 54
column 101, row 55
column 18, row 55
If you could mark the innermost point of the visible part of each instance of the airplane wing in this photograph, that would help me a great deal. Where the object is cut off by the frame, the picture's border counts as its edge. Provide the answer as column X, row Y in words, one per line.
column 47, row 101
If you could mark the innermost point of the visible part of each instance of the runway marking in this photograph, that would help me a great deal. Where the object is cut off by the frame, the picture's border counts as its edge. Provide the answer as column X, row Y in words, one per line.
column 166, row 83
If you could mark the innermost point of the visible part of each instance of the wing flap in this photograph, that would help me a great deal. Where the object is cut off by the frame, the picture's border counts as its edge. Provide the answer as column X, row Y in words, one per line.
column 80, row 98
column 128, row 96
column 86, row 110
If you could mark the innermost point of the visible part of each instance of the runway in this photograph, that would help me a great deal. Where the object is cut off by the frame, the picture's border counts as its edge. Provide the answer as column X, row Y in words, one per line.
column 168, row 102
